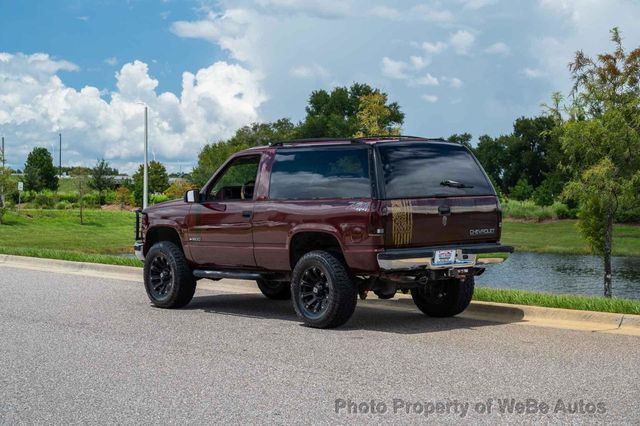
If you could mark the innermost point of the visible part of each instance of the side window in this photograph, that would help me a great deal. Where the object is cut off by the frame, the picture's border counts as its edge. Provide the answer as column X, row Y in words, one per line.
column 320, row 172
column 237, row 181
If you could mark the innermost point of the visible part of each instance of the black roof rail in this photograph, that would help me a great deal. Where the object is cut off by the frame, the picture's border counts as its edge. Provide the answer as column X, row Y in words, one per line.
column 354, row 140
column 310, row 140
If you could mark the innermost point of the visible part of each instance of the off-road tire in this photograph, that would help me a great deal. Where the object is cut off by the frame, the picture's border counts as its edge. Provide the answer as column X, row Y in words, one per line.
column 181, row 282
column 341, row 295
column 456, row 298
column 276, row 290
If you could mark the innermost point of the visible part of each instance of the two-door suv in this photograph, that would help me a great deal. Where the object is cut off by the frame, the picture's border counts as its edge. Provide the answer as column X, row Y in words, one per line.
column 322, row 221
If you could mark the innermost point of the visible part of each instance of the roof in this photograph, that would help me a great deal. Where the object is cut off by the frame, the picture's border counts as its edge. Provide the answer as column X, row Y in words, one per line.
column 369, row 140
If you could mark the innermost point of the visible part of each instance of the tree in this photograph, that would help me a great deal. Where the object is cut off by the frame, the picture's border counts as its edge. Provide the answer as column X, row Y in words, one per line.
column 373, row 116
column 123, row 195
column 601, row 143
column 462, row 139
column 335, row 114
column 81, row 182
column 39, row 171
column 102, row 178
column 178, row 188
column 8, row 186
column 158, row 180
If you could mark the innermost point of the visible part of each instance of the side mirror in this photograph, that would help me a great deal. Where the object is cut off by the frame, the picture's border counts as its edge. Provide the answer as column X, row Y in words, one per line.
column 192, row 196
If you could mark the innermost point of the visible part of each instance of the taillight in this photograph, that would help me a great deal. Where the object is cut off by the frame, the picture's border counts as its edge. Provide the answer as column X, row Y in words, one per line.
column 376, row 219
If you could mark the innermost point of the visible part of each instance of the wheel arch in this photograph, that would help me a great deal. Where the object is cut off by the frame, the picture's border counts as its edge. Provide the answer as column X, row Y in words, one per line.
column 159, row 233
column 304, row 240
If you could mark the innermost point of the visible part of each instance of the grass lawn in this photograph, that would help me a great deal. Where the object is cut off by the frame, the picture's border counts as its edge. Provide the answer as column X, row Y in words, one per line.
column 565, row 301
column 562, row 237
column 103, row 232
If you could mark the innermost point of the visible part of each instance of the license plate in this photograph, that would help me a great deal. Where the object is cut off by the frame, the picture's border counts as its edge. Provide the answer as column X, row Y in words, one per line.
column 444, row 257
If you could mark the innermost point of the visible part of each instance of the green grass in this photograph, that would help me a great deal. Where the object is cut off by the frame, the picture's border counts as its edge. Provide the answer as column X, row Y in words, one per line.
column 565, row 301
column 74, row 256
column 562, row 237
column 103, row 232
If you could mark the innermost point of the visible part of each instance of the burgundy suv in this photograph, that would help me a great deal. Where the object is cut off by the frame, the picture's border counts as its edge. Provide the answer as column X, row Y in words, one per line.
column 323, row 221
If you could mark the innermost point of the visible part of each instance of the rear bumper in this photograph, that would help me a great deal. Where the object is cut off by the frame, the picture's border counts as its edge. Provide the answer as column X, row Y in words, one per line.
column 406, row 259
column 138, row 249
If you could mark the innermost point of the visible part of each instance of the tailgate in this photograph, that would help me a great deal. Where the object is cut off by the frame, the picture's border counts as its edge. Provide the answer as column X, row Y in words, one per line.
column 437, row 221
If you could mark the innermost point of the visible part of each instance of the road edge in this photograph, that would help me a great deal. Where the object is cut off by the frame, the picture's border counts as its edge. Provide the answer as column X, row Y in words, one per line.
column 605, row 322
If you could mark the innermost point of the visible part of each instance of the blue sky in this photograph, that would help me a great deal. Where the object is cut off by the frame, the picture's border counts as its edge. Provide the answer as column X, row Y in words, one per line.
column 206, row 68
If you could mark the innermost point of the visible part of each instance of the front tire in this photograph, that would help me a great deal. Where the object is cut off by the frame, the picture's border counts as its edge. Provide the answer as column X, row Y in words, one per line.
column 276, row 290
column 323, row 293
column 444, row 298
column 168, row 280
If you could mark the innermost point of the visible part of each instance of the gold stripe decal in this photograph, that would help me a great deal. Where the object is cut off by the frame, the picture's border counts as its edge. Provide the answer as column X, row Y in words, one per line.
column 402, row 225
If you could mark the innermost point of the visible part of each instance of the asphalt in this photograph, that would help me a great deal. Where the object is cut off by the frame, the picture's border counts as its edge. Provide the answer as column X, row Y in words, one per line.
column 76, row 349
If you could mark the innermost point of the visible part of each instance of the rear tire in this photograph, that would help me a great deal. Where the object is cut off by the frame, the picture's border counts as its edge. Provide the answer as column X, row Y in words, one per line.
column 168, row 280
column 322, row 291
column 454, row 298
column 276, row 290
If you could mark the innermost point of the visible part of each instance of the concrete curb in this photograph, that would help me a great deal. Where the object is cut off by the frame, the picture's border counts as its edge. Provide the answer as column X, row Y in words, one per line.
column 484, row 311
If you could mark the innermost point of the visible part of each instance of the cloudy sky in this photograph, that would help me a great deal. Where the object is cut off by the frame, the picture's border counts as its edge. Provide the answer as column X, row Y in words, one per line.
column 205, row 68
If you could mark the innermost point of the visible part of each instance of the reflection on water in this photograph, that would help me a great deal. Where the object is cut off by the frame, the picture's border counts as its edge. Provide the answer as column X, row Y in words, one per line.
column 557, row 273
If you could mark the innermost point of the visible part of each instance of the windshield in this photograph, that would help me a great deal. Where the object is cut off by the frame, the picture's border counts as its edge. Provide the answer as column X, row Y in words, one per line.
column 431, row 169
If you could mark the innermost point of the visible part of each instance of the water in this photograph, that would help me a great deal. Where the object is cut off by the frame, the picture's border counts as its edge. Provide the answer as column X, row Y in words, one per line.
column 555, row 273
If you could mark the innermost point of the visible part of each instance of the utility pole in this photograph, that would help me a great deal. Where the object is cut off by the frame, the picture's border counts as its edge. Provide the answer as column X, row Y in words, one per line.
column 3, row 160
column 60, row 156
column 145, row 183
column 2, row 171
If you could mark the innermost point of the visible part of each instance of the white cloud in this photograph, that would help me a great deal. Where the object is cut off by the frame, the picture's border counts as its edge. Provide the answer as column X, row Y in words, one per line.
column 315, row 8
column 434, row 48
column 533, row 72
column 430, row 98
column 498, row 48
column 35, row 104
column 431, row 14
column 387, row 12
column 111, row 61
column 477, row 4
column 453, row 82
column 394, row 69
column 462, row 40
column 309, row 71
column 427, row 80
column 419, row 62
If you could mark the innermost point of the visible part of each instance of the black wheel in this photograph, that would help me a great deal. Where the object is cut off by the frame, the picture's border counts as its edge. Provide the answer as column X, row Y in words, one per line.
column 444, row 298
column 167, row 277
column 277, row 290
column 322, row 290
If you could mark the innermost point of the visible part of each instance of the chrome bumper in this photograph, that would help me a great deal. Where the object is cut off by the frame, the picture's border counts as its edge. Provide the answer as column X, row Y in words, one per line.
column 422, row 258
column 138, row 247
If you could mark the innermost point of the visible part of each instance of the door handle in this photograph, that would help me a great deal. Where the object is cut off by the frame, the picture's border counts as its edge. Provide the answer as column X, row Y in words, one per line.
column 246, row 213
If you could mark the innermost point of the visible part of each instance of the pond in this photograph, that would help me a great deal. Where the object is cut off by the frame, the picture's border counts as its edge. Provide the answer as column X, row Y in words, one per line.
column 557, row 273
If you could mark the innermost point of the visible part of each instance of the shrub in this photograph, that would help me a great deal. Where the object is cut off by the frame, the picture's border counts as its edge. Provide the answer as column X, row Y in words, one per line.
column 62, row 205
column 157, row 198
column 44, row 200
column 529, row 210
column 522, row 190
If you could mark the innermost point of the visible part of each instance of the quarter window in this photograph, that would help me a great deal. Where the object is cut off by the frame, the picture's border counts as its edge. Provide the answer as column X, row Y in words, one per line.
column 320, row 172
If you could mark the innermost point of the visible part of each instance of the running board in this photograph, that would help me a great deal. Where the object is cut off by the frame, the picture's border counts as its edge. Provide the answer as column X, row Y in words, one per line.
column 232, row 275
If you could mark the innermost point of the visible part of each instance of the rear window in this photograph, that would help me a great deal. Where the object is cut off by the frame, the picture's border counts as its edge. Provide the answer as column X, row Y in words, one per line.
column 320, row 172
column 425, row 169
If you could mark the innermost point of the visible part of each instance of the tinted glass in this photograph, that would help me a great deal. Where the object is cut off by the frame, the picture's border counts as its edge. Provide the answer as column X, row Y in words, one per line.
column 237, row 181
column 418, row 169
column 311, row 173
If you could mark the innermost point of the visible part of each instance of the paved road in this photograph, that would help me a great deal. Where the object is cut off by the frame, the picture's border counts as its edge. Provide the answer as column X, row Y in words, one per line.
column 83, row 350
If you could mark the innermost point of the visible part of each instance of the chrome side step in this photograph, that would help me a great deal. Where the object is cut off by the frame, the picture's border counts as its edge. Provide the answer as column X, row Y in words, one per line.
column 232, row 275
